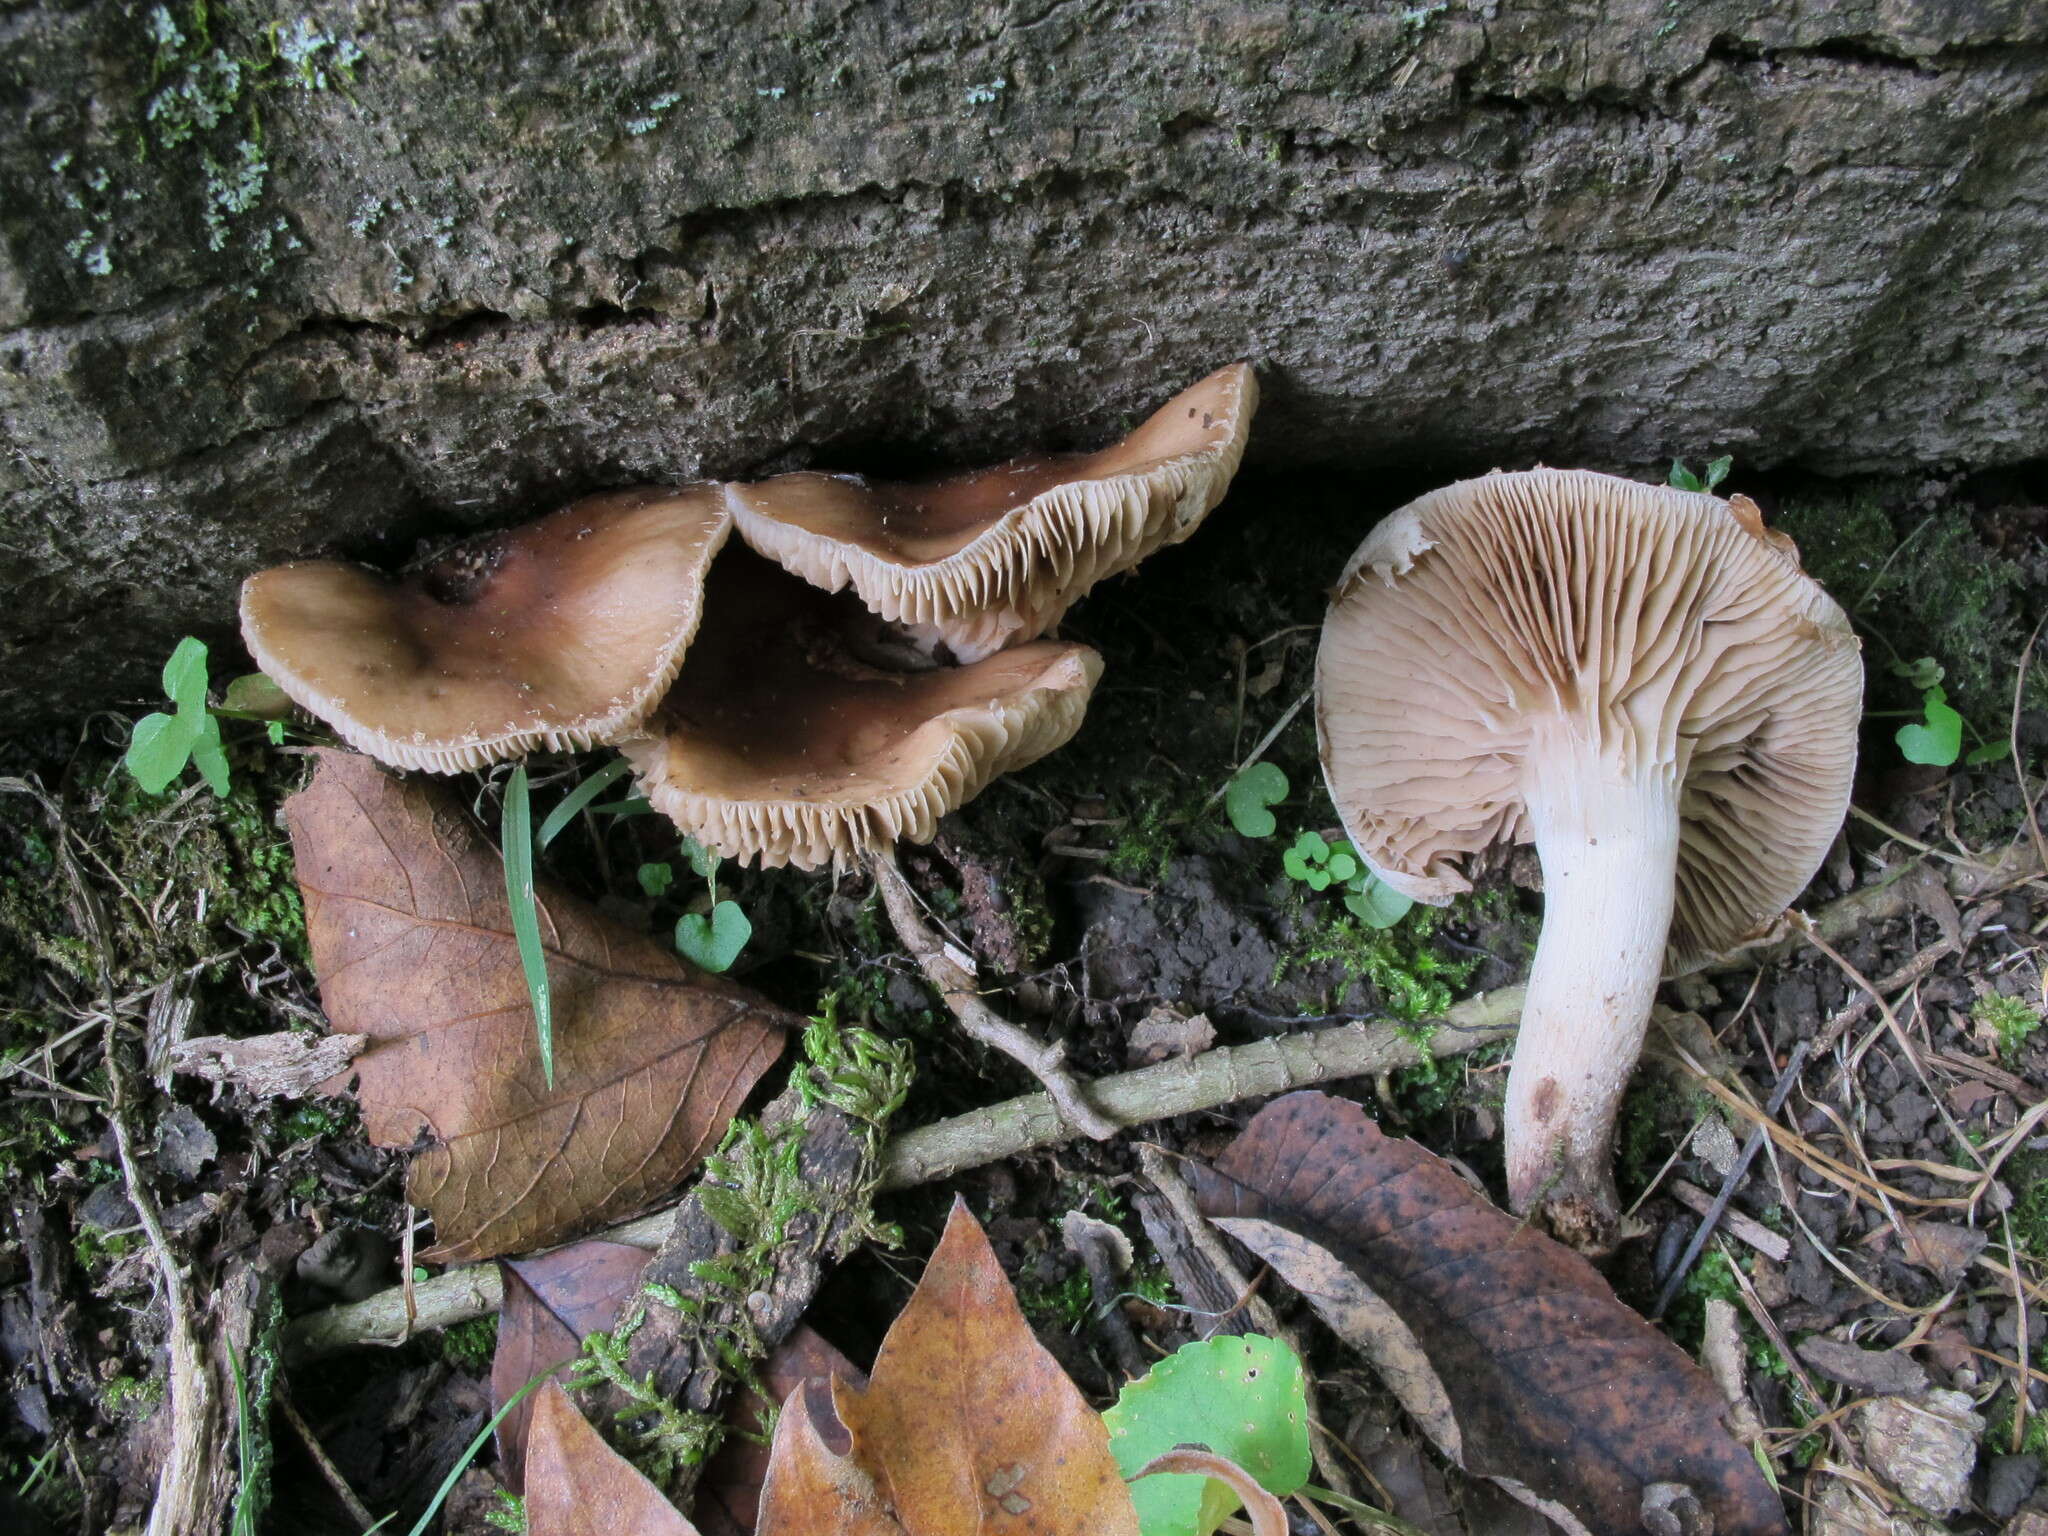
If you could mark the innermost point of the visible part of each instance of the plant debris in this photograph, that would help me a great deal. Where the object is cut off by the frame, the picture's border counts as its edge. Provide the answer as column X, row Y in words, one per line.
column 1553, row 1383
column 413, row 947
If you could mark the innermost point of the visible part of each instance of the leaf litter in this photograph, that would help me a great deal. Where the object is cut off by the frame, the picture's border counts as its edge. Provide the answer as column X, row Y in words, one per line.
column 413, row 947
column 1552, row 1382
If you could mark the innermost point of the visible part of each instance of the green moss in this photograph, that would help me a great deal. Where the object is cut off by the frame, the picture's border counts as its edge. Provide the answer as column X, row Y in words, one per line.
column 1412, row 979
column 1149, row 837
column 1926, row 588
column 2011, row 1019
column 92, row 1246
column 132, row 1397
column 2026, row 1173
column 1062, row 1303
column 469, row 1346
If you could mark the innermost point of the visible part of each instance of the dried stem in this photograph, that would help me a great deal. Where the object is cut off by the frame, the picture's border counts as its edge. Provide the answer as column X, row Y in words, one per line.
column 1046, row 1062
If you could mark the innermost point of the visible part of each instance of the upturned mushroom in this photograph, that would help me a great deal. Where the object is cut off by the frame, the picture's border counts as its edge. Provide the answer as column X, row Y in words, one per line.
column 981, row 561
column 797, row 735
column 562, row 634
column 1641, row 682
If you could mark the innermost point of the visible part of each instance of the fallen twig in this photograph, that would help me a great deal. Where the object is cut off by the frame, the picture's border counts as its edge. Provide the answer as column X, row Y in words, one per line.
column 1178, row 1087
column 1772, row 1245
column 1751, row 1145
column 1046, row 1062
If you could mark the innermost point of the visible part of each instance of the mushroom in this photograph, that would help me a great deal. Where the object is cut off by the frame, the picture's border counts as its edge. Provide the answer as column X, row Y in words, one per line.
column 1642, row 682
column 793, row 736
column 561, row 634
column 985, row 560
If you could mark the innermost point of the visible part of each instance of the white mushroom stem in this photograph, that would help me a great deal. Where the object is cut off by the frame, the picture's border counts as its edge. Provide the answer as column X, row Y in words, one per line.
column 1608, row 841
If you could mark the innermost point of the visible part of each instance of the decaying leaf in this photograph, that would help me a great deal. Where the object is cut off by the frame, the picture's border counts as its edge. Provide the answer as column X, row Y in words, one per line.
column 969, row 1425
column 1555, row 1385
column 412, row 945
column 550, row 1304
column 812, row 1492
column 576, row 1485
column 800, row 1371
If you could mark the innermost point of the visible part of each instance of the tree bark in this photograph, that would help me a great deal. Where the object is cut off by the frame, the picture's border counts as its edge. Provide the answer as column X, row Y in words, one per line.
column 277, row 281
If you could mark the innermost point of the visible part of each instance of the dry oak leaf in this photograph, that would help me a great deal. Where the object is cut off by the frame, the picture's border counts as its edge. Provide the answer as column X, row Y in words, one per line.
column 576, row 1485
column 967, row 1425
column 1558, row 1388
column 412, row 946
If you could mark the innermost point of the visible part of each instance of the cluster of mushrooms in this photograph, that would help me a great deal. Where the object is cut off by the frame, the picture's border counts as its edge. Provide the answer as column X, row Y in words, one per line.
column 1640, row 681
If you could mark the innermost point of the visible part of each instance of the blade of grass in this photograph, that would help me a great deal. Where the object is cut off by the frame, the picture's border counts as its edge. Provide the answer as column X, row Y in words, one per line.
column 469, row 1455
column 516, row 836
column 577, row 798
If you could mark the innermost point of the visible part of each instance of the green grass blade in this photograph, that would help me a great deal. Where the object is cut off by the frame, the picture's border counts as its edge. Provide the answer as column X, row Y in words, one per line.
column 577, row 798
column 462, row 1462
column 516, row 836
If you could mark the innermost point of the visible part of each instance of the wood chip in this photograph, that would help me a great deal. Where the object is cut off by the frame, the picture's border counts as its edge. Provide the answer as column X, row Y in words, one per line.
column 284, row 1065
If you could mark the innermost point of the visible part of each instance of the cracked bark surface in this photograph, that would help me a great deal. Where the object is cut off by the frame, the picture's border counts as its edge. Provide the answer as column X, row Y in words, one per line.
column 529, row 252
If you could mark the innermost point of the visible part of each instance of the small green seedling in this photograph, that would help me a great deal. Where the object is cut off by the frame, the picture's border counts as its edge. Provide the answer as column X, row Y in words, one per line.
column 1936, row 738
column 711, row 943
column 655, row 879
column 1316, row 863
column 1249, row 795
column 1320, row 864
column 1717, row 470
column 164, row 744
column 1243, row 1398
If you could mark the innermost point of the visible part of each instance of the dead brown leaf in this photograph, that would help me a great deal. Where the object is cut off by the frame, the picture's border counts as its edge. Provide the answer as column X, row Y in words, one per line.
column 1556, row 1386
column 969, row 1425
column 800, row 1371
column 412, row 944
column 576, row 1485
column 811, row 1492
column 550, row 1304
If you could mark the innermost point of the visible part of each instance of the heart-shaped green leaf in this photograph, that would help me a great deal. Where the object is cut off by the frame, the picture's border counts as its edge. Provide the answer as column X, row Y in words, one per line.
column 1940, row 739
column 208, row 756
column 1990, row 752
column 1342, row 865
column 1375, row 903
column 713, row 943
column 1249, row 794
column 703, row 862
column 185, row 675
column 160, row 748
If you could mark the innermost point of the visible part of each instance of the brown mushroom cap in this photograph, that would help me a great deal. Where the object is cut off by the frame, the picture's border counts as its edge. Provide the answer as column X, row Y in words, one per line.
column 561, row 634
column 783, row 739
column 989, row 559
column 1670, row 626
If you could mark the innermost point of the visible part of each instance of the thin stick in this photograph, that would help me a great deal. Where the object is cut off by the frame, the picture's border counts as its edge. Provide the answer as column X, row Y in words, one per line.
column 189, row 1486
column 1045, row 1062
column 1752, row 1144
column 1179, row 1087
column 1259, row 751
column 357, row 1510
